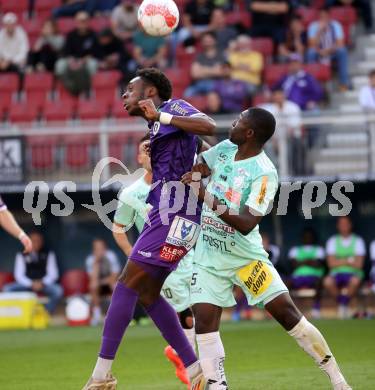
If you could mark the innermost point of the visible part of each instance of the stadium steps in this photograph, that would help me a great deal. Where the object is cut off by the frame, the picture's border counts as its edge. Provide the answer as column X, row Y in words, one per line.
column 332, row 168
column 347, row 140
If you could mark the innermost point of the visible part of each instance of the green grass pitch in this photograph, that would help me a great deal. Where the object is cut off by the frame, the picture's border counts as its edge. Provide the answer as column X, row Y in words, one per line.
column 260, row 355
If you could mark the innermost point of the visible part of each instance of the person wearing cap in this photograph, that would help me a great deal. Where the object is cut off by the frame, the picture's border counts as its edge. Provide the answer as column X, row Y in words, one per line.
column 299, row 86
column 14, row 45
column 124, row 19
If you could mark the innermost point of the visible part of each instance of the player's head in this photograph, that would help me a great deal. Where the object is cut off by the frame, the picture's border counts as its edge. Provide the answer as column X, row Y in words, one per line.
column 99, row 247
column 309, row 236
column 150, row 83
column 254, row 126
column 344, row 226
column 143, row 157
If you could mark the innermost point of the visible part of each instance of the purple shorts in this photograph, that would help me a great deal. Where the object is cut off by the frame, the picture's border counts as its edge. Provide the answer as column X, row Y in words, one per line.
column 164, row 245
column 308, row 281
column 342, row 279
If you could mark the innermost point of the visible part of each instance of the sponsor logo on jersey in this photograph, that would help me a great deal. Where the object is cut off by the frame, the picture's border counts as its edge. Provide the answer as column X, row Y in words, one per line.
column 145, row 254
column 233, row 196
column 155, row 128
column 172, row 253
column 218, row 188
column 256, row 276
column 263, row 190
column 183, row 233
column 238, row 182
column 216, row 243
column 222, row 157
column 228, row 169
column 223, row 177
column 217, row 224
column 177, row 108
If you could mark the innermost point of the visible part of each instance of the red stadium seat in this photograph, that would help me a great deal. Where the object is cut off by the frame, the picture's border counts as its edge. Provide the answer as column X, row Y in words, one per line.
column 23, row 112
column 42, row 152
column 320, row 71
column 44, row 8
column 106, row 80
column 65, row 25
column 118, row 110
column 178, row 77
column 32, row 27
column 199, row 102
column 77, row 150
column 238, row 18
column 99, row 23
column 38, row 86
column 91, row 109
column 55, row 111
column 274, row 72
column 185, row 58
column 5, row 278
column 74, row 282
column 259, row 99
column 117, row 143
column 9, row 82
column 106, row 97
column 263, row 45
column 308, row 15
column 344, row 15
column 19, row 7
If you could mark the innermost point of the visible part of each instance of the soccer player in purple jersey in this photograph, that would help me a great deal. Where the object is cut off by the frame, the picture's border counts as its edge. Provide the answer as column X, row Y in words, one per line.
column 172, row 229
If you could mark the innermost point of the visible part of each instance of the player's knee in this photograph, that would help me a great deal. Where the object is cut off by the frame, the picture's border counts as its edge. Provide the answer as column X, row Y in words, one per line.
column 355, row 281
column 186, row 318
column 328, row 282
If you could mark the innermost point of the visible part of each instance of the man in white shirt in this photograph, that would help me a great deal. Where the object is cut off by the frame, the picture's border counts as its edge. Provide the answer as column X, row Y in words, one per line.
column 103, row 268
column 367, row 94
column 37, row 271
column 124, row 19
column 14, row 45
column 345, row 259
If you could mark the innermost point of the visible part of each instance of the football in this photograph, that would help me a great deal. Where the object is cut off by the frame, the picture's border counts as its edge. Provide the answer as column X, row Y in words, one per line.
column 158, row 17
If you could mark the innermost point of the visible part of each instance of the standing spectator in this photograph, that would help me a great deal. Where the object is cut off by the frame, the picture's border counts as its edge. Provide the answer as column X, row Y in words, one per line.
column 14, row 45
column 124, row 19
column 308, row 267
column 367, row 94
column 326, row 43
column 78, row 64
column 37, row 271
column 103, row 268
column 223, row 33
column 372, row 258
column 299, row 86
column 295, row 40
column 269, row 19
column 149, row 51
column 207, row 67
column 247, row 64
column 47, row 47
column 345, row 257
column 228, row 95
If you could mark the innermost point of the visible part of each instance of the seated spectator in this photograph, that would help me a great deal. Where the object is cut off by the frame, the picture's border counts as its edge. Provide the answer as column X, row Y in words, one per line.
column 228, row 95
column 223, row 33
column 364, row 6
column 37, row 271
column 195, row 20
column 47, row 47
column 367, row 94
column 72, row 7
column 247, row 64
column 295, row 40
column 78, row 63
column 372, row 258
column 345, row 258
column 14, row 45
column 326, row 43
column 149, row 51
column 103, row 269
column 308, row 267
column 269, row 19
column 111, row 53
column 207, row 67
column 124, row 19
column 299, row 86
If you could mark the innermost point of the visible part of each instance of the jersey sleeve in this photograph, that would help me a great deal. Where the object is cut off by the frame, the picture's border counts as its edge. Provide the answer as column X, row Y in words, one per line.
column 3, row 206
column 211, row 154
column 125, row 212
column 263, row 190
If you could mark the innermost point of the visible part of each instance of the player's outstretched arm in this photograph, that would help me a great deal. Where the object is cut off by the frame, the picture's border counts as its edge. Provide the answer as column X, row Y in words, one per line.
column 200, row 124
column 121, row 238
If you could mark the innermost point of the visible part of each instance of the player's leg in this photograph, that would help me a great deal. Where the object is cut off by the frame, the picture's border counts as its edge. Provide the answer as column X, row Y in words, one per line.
column 283, row 309
column 54, row 293
column 95, row 300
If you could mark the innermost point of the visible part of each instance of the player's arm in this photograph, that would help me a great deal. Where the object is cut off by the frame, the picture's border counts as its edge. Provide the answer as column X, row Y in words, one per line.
column 199, row 124
column 121, row 238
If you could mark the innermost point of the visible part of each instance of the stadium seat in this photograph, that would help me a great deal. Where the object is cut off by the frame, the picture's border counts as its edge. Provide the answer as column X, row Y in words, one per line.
column 259, row 99
column 43, row 8
column 23, row 112
column 238, row 18
column 38, row 86
column 179, row 78
column 274, row 72
column 42, row 152
column 55, row 111
column 19, row 7
column 185, row 58
column 106, row 80
column 5, row 278
column 320, row 71
column 78, row 150
column 200, row 102
column 308, row 15
column 75, row 282
column 32, row 27
column 91, row 109
column 99, row 23
column 264, row 46
column 118, row 111
column 347, row 16
column 8, row 88
column 65, row 25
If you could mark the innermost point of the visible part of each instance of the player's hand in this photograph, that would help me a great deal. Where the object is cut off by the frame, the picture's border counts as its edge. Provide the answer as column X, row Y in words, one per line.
column 203, row 169
column 147, row 147
column 149, row 110
column 37, row 286
column 27, row 244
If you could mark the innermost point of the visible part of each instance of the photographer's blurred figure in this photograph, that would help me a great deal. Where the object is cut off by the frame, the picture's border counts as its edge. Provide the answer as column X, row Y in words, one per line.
column 103, row 268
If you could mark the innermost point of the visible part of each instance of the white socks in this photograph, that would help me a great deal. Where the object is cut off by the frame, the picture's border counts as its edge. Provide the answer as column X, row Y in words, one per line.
column 312, row 342
column 102, row 368
column 190, row 334
column 212, row 356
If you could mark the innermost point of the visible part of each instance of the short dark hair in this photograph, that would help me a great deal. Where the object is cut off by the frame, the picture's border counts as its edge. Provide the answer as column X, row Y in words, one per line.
column 372, row 73
column 262, row 122
column 158, row 79
column 209, row 33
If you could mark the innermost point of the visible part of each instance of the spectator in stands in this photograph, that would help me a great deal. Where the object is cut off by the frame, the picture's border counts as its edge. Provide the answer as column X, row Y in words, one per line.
column 307, row 260
column 149, row 51
column 78, row 63
column 37, row 271
column 363, row 5
column 103, row 269
column 72, row 7
column 272, row 249
column 124, row 19
column 269, row 19
column 223, row 33
column 14, row 45
column 372, row 258
column 247, row 64
column 195, row 20
column 47, row 48
column 367, row 94
column 295, row 40
column 299, row 86
column 112, row 54
column 345, row 257
column 326, row 43
column 228, row 95
column 207, row 67
column 287, row 138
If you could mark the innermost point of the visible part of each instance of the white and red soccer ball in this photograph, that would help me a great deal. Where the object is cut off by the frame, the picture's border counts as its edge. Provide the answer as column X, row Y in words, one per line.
column 158, row 17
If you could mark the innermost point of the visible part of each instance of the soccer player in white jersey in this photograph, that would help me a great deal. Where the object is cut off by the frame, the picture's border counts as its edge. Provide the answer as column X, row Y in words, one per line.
column 229, row 248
